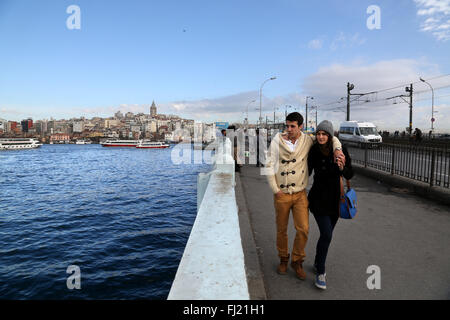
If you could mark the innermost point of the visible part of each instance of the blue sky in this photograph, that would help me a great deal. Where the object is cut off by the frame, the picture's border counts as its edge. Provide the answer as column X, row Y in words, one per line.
column 206, row 60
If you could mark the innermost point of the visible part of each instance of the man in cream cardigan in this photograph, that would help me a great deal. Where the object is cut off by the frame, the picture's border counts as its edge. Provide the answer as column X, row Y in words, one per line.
column 287, row 174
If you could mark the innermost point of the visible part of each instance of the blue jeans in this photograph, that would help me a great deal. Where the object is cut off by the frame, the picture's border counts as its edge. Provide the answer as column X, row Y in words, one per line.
column 326, row 226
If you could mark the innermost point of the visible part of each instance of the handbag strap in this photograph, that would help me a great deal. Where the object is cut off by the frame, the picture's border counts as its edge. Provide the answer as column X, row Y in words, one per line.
column 342, row 186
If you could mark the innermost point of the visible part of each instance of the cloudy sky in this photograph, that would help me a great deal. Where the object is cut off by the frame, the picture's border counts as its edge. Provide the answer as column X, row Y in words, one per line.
column 206, row 60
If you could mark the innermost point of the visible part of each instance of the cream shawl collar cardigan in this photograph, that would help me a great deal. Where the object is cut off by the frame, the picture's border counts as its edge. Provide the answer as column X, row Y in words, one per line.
column 287, row 170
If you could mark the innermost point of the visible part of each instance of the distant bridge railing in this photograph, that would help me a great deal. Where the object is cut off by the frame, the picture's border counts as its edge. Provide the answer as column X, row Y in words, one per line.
column 426, row 164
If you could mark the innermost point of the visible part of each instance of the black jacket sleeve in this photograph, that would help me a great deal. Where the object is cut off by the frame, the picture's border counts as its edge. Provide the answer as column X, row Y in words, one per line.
column 311, row 160
column 348, row 169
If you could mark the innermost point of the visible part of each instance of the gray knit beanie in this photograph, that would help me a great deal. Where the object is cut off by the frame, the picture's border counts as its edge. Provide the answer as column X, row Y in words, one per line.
column 326, row 126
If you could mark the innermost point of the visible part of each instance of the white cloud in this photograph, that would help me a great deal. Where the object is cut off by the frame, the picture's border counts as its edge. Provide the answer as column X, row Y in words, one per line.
column 315, row 44
column 438, row 22
column 343, row 40
column 329, row 83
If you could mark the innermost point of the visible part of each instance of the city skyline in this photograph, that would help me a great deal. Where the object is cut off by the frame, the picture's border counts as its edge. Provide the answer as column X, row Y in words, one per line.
column 206, row 61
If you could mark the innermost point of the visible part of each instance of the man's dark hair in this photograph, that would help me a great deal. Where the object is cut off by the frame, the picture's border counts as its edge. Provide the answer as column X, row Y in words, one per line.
column 295, row 116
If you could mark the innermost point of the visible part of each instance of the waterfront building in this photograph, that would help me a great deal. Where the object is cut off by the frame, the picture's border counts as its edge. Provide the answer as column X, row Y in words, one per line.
column 118, row 115
column 111, row 123
column 26, row 124
column 78, row 126
column 3, row 124
column 163, row 129
column 151, row 126
column 59, row 138
column 129, row 115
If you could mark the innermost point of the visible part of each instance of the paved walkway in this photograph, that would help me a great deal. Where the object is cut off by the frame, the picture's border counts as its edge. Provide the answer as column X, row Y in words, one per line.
column 406, row 236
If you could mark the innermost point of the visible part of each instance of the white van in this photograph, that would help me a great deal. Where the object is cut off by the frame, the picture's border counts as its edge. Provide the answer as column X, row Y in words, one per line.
column 359, row 133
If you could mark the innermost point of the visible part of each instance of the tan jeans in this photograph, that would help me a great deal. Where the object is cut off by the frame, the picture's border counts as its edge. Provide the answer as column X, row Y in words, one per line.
column 298, row 202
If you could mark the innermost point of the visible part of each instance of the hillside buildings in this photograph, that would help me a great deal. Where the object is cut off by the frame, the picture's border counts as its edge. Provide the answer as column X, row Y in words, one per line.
column 151, row 126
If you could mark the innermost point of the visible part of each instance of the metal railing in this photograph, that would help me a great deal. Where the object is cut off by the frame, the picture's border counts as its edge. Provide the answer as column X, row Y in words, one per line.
column 426, row 164
column 424, row 142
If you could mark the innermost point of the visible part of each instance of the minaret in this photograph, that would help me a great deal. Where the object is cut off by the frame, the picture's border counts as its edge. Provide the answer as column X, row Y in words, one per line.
column 153, row 110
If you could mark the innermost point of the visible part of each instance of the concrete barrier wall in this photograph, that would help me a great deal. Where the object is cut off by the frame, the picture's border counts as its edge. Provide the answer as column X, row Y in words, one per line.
column 212, row 266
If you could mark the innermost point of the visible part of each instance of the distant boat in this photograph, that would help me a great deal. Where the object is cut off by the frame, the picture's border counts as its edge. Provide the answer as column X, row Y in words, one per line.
column 152, row 145
column 83, row 141
column 120, row 143
column 19, row 144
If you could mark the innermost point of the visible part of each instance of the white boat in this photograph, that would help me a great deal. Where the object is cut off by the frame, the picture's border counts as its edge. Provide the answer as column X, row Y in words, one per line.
column 19, row 144
column 82, row 141
column 152, row 145
column 120, row 143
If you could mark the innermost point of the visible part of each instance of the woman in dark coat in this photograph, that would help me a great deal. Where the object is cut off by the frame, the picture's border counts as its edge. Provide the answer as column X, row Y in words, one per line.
column 326, row 191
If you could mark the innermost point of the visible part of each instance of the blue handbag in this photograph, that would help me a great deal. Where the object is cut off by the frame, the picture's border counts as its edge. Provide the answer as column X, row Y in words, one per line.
column 347, row 202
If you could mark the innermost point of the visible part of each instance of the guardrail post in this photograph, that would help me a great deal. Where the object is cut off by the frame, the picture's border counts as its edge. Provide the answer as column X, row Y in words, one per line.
column 433, row 158
column 365, row 155
column 257, row 148
column 393, row 160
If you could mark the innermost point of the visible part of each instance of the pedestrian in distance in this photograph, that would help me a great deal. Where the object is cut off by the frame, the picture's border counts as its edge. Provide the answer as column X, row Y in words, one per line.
column 287, row 174
column 237, row 166
column 417, row 136
column 325, row 192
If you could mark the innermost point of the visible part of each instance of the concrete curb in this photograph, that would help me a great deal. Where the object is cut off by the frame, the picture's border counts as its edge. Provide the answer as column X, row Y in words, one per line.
column 422, row 189
column 255, row 282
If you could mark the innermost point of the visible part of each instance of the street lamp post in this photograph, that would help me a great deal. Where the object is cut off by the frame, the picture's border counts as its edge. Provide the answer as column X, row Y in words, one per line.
column 315, row 108
column 306, row 112
column 274, row 109
column 432, row 104
column 260, row 97
column 285, row 109
column 247, row 112
column 260, row 119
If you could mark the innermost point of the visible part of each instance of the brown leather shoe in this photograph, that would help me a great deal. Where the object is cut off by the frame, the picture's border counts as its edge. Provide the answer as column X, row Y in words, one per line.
column 282, row 268
column 298, row 267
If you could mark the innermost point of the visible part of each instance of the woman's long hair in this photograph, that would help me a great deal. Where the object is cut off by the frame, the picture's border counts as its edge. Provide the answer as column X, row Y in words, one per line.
column 327, row 148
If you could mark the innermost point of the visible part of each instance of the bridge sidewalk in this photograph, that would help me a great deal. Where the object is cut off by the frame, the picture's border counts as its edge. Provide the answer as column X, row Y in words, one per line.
column 406, row 236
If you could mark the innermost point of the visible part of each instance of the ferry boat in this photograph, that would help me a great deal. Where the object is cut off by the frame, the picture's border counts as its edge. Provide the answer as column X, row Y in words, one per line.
column 82, row 141
column 120, row 143
column 19, row 144
column 152, row 145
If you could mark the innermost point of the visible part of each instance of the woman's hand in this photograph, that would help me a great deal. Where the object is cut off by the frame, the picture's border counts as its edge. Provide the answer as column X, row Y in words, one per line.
column 341, row 163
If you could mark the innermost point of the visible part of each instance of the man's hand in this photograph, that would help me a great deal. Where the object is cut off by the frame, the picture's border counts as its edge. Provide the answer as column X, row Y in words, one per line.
column 279, row 194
